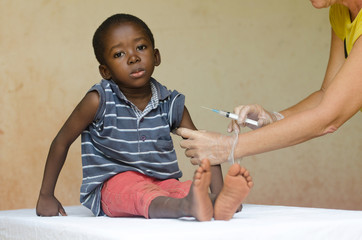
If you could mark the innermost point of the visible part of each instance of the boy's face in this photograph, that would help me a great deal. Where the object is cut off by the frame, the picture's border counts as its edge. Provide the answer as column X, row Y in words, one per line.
column 129, row 56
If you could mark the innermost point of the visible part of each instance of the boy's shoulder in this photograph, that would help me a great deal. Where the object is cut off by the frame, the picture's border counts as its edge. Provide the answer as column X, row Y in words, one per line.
column 103, row 84
column 162, row 91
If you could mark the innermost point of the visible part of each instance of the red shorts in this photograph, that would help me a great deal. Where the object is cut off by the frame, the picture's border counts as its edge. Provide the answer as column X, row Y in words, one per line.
column 131, row 193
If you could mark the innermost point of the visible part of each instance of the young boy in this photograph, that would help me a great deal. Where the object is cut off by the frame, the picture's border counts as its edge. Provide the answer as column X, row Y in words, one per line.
column 129, row 162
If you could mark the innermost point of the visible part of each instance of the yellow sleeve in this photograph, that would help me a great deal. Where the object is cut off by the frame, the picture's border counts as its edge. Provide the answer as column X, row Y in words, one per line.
column 337, row 16
column 357, row 27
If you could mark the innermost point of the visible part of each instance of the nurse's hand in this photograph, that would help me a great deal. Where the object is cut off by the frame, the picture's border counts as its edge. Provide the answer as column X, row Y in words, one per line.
column 205, row 145
column 254, row 112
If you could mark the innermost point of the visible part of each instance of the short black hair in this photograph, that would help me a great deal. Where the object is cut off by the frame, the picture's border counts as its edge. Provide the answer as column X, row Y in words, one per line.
column 116, row 19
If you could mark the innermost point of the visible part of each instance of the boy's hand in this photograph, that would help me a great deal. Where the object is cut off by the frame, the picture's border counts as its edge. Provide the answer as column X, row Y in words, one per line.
column 49, row 206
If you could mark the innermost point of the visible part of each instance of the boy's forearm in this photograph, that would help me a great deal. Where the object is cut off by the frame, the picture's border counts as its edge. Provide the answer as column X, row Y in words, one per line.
column 216, row 179
column 53, row 166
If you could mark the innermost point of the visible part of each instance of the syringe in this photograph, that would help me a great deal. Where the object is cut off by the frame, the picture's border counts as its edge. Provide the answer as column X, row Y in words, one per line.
column 232, row 116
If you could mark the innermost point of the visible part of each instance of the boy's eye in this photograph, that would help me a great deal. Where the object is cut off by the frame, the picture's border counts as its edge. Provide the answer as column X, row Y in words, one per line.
column 141, row 47
column 118, row 54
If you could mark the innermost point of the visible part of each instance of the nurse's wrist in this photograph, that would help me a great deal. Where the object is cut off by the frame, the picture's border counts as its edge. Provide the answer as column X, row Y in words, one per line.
column 277, row 116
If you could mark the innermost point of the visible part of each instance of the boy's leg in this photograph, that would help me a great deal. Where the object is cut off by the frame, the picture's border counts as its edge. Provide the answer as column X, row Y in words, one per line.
column 237, row 184
column 196, row 204
column 129, row 194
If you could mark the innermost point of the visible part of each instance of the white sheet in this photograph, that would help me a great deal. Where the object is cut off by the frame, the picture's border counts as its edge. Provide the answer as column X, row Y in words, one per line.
column 254, row 222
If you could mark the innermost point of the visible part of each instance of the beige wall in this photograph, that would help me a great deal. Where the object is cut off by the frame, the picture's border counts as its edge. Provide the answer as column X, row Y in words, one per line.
column 218, row 53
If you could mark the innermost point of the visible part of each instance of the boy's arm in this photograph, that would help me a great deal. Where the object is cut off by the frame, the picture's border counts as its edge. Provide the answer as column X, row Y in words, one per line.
column 80, row 118
column 216, row 173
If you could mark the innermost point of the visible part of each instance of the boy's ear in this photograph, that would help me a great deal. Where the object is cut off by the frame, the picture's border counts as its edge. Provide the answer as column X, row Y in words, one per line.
column 103, row 70
column 157, row 57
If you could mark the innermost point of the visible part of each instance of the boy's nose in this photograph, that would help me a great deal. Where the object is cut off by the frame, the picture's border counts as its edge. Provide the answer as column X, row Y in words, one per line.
column 133, row 58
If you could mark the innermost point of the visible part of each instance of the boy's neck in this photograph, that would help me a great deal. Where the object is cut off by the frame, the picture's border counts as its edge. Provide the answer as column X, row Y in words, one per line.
column 140, row 97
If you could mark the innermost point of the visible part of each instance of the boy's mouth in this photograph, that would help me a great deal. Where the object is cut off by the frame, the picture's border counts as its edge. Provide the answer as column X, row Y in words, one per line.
column 137, row 73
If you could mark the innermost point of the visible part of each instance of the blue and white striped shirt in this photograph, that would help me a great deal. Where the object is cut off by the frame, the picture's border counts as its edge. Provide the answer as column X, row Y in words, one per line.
column 123, row 138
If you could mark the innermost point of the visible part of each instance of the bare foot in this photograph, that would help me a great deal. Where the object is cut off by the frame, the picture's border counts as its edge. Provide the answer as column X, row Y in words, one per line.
column 237, row 184
column 200, row 203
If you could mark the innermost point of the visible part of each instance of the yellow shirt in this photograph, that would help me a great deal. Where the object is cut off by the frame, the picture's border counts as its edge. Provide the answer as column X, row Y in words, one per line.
column 346, row 30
